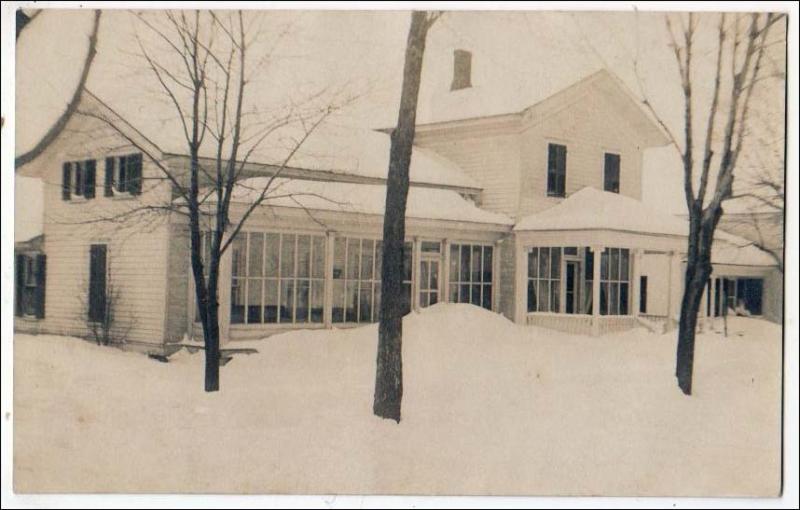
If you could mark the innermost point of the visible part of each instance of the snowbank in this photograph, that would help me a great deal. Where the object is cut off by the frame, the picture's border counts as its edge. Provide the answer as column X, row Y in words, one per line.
column 489, row 407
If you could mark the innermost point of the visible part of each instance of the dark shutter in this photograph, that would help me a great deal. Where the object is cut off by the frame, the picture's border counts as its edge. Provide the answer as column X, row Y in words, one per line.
column 97, row 282
column 66, row 181
column 108, row 184
column 135, row 174
column 89, row 178
column 643, row 294
column 41, row 279
column 19, row 283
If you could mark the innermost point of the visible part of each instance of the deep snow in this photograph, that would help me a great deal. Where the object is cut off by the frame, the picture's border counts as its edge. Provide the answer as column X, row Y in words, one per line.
column 489, row 408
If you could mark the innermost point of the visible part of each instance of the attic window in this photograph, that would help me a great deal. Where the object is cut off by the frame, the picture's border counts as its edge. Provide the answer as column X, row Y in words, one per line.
column 462, row 70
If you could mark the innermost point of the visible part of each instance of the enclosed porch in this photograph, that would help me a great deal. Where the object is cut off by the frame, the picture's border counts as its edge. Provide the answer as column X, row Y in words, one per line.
column 594, row 264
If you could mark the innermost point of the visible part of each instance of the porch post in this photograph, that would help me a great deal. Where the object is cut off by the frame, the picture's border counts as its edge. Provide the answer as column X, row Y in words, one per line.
column 225, row 280
column 596, row 251
column 496, row 268
column 415, row 274
column 520, row 284
column 703, row 313
column 444, row 284
column 635, row 282
column 327, row 299
column 192, row 306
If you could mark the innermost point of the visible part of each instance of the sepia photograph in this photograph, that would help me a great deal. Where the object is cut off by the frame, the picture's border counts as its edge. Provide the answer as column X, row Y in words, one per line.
column 400, row 249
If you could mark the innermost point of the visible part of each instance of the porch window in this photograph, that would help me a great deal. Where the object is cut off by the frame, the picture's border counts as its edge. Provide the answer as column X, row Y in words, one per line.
column 471, row 274
column 357, row 279
column 614, row 281
column 277, row 278
column 544, row 279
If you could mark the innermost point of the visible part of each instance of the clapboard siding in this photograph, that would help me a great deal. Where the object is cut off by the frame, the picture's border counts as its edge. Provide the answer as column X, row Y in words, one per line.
column 588, row 129
column 178, row 276
column 493, row 161
column 136, row 240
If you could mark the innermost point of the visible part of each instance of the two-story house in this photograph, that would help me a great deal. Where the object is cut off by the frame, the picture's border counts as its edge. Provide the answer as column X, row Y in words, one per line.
column 533, row 213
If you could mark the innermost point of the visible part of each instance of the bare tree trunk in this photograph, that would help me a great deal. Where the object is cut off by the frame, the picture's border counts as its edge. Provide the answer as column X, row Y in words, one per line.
column 389, row 372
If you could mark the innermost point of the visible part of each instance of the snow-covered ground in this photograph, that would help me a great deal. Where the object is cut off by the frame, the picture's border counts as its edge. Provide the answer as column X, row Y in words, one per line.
column 489, row 408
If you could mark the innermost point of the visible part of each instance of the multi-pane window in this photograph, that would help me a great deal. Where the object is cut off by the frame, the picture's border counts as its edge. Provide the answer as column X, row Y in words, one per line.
column 611, row 172
column 614, row 281
column 544, row 279
column 123, row 174
column 277, row 278
column 357, row 279
column 556, row 170
column 78, row 179
column 471, row 274
column 429, row 264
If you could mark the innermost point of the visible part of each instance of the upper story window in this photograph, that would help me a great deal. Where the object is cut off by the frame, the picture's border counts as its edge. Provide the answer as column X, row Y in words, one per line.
column 556, row 170
column 123, row 174
column 78, row 179
column 611, row 173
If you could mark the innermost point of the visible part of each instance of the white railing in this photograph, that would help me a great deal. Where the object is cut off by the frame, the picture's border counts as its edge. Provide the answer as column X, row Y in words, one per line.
column 581, row 324
column 578, row 324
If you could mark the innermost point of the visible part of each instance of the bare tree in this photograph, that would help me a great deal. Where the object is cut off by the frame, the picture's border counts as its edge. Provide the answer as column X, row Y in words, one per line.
column 202, row 65
column 22, row 21
column 741, row 44
column 389, row 371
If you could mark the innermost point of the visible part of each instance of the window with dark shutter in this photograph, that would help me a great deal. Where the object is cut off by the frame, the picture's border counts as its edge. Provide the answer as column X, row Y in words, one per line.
column 89, row 178
column 108, row 183
column 66, row 181
column 135, row 174
column 97, row 282
column 611, row 173
column 122, row 176
column 642, row 294
column 39, row 292
column 556, row 170
column 77, row 189
column 19, row 285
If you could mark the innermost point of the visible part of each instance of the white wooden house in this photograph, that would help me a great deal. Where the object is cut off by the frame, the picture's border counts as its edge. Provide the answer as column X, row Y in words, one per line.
column 533, row 213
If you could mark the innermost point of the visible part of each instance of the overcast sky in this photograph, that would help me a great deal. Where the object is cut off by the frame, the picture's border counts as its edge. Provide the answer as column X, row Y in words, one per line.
column 521, row 55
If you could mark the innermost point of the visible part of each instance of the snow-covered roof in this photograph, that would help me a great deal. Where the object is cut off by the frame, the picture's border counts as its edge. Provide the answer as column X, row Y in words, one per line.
column 423, row 203
column 734, row 250
column 592, row 209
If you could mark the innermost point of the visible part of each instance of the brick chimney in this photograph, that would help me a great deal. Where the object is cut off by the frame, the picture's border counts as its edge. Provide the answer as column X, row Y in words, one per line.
column 462, row 70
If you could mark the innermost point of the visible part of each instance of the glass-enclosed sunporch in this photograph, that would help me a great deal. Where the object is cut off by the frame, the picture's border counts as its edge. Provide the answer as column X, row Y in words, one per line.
column 591, row 282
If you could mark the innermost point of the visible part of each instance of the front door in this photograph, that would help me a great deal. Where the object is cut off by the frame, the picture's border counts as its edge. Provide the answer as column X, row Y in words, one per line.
column 429, row 267
column 571, row 289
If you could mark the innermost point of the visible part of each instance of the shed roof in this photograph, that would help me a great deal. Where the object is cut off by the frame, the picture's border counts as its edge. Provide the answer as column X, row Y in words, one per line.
column 423, row 203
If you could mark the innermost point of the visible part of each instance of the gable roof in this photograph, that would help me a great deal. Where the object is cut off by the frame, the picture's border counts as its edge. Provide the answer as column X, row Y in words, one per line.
column 366, row 157
column 480, row 102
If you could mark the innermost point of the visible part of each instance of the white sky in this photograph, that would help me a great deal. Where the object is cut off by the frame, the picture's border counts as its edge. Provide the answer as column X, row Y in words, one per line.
column 517, row 57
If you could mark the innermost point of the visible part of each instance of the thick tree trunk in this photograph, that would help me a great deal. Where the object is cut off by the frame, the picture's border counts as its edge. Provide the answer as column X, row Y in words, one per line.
column 389, row 371
column 698, row 270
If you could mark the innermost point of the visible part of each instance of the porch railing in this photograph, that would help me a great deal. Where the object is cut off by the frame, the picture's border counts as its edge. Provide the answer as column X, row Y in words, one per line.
column 581, row 324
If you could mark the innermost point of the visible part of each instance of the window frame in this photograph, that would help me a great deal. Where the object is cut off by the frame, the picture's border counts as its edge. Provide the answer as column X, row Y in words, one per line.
column 458, row 283
column 534, row 278
column 618, row 181
column 295, row 279
column 556, row 175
